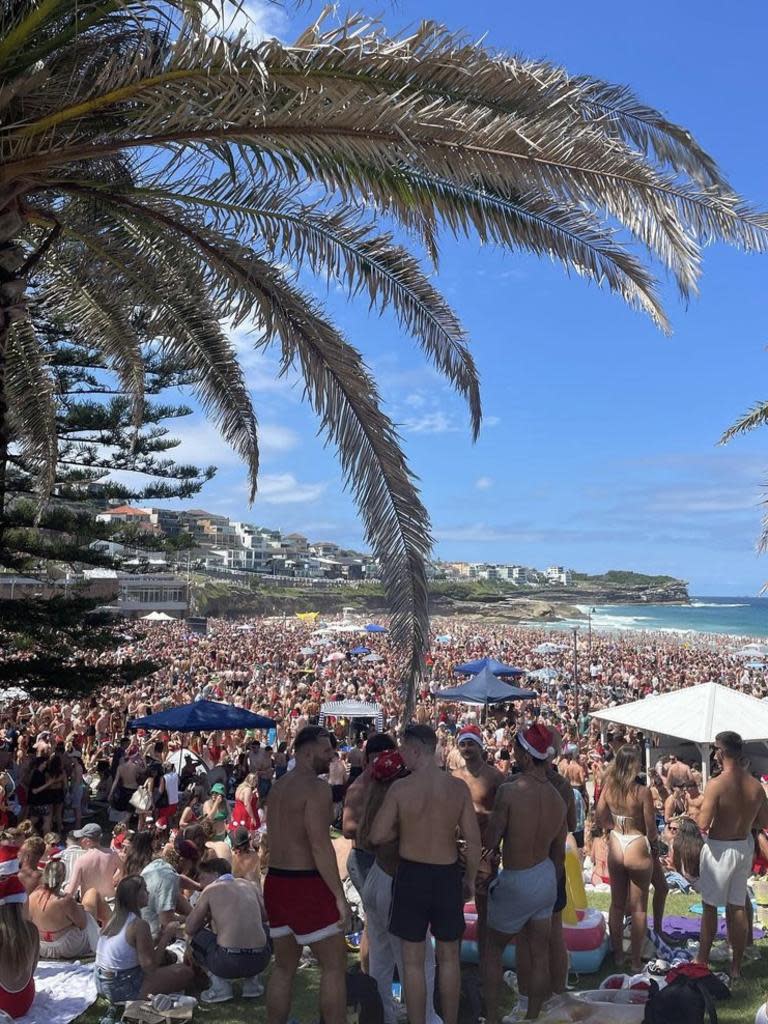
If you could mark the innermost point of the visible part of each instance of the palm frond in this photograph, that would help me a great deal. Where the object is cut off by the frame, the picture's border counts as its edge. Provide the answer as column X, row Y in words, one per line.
column 757, row 416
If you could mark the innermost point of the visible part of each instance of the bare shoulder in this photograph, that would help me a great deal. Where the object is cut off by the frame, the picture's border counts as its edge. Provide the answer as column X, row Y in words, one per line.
column 456, row 784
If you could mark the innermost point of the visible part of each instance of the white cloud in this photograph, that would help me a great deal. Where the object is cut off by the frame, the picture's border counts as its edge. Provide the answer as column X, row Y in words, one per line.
column 285, row 489
column 483, row 483
column 202, row 444
column 430, row 423
column 491, row 421
column 415, row 400
column 259, row 19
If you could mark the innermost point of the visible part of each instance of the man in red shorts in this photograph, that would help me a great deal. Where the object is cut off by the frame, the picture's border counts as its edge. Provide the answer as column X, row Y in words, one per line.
column 303, row 892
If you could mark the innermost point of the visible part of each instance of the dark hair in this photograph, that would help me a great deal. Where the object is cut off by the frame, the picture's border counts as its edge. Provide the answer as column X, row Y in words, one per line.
column 215, row 866
column 309, row 734
column 140, row 853
column 686, row 847
column 731, row 743
column 425, row 735
column 378, row 743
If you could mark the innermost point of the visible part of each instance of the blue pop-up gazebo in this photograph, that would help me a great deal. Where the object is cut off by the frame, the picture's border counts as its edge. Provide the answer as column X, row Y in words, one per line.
column 374, row 627
column 471, row 668
column 203, row 716
column 485, row 688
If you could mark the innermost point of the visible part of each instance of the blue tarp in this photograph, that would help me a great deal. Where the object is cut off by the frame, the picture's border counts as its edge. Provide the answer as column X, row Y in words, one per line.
column 372, row 627
column 485, row 688
column 471, row 668
column 360, row 650
column 203, row 716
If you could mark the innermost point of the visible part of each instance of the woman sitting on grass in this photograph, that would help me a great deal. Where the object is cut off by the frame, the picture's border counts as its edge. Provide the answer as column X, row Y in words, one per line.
column 128, row 962
column 66, row 930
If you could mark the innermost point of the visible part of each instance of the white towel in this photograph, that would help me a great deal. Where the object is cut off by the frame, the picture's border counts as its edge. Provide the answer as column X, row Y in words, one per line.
column 63, row 990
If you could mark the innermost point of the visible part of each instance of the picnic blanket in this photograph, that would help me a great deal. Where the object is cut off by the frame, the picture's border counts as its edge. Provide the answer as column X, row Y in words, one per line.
column 63, row 990
column 679, row 928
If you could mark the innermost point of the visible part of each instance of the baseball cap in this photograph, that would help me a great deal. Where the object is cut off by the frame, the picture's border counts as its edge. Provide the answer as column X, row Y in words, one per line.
column 89, row 831
column 218, row 787
column 240, row 837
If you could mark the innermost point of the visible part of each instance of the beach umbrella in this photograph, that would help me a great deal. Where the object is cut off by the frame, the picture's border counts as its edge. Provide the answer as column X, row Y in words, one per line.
column 447, row 639
column 360, row 649
column 484, row 688
column 307, row 650
column 373, row 627
column 335, row 656
column 752, row 650
column 543, row 673
column 548, row 648
column 371, row 658
column 755, row 664
column 245, row 628
column 471, row 668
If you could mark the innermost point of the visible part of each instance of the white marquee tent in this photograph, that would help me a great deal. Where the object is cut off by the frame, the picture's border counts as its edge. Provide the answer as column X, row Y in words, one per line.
column 697, row 713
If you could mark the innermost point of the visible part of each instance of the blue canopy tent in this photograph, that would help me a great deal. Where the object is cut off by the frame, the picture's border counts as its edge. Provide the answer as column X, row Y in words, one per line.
column 485, row 688
column 471, row 668
column 360, row 649
column 374, row 627
column 203, row 716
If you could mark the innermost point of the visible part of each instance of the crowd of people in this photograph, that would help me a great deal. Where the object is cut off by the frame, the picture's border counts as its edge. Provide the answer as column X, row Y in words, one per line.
column 184, row 863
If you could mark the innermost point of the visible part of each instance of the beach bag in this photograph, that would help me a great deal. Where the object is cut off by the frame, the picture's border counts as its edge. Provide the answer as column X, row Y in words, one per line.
column 142, row 800
column 364, row 1004
column 689, row 998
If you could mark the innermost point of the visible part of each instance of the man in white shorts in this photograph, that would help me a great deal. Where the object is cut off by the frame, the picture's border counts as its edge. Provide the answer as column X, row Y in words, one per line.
column 734, row 803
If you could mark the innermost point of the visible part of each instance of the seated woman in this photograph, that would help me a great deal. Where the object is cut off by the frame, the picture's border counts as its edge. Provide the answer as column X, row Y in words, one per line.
column 20, row 942
column 129, row 965
column 67, row 931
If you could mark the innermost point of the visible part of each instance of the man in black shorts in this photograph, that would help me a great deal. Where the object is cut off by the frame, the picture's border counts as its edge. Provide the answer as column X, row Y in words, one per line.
column 423, row 812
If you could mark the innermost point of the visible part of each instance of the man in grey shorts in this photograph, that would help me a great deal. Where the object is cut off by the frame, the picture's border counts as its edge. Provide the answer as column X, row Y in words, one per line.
column 529, row 815
column 227, row 932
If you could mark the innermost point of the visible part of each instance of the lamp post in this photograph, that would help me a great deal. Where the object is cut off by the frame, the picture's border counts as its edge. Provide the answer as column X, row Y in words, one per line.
column 576, row 670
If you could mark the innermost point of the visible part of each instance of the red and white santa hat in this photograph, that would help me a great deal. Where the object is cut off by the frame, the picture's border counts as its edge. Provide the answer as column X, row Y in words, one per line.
column 470, row 732
column 9, row 860
column 12, row 891
column 537, row 740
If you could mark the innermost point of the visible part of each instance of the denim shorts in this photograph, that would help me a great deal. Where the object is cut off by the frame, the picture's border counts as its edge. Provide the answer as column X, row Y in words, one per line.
column 229, row 963
column 118, row 986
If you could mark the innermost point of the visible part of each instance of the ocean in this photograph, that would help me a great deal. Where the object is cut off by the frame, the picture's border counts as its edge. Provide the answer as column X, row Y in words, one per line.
column 741, row 616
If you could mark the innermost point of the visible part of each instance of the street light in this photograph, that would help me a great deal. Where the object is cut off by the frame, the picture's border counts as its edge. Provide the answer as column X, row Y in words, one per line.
column 576, row 669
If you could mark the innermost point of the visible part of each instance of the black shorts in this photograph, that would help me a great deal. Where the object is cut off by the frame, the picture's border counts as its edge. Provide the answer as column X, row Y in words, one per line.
column 229, row 963
column 562, row 895
column 427, row 896
column 337, row 793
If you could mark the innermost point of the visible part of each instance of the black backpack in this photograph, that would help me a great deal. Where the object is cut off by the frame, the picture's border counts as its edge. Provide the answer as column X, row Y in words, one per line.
column 685, row 1001
column 363, row 999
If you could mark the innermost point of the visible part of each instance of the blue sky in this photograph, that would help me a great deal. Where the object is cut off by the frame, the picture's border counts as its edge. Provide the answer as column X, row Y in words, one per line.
column 599, row 444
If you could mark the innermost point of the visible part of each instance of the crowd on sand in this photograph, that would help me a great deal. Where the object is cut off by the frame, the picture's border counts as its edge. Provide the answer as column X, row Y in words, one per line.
column 192, row 863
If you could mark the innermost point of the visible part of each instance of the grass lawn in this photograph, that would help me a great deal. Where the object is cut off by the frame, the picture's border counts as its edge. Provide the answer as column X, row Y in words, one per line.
column 740, row 1009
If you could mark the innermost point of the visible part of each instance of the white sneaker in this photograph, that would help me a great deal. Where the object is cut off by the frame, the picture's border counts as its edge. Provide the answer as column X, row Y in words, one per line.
column 252, row 988
column 220, row 990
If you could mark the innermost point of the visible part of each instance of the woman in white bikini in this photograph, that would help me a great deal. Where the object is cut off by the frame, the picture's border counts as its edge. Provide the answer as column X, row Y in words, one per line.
column 626, row 807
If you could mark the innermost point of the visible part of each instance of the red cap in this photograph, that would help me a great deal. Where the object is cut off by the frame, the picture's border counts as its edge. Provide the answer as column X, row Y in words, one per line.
column 387, row 765
column 537, row 741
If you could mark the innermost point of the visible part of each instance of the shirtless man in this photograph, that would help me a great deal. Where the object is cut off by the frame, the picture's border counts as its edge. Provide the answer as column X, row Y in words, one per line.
column 226, row 927
column 483, row 781
column 423, row 812
column 246, row 862
column 678, row 773
column 530, row 816
column 734, row 803
column 571, row 770
column 303, row 893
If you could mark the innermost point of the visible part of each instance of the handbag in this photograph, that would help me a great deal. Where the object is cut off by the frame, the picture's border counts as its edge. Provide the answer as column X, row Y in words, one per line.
column 142, row 800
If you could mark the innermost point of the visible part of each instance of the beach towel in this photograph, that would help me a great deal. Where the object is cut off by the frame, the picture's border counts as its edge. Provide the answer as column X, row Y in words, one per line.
column 63, row 990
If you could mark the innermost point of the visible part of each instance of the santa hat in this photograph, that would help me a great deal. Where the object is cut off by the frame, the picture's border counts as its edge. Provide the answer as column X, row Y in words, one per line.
column 12, row 891
column 537, row 741
column 470, row 732
column 387, row 765
column 9, row 860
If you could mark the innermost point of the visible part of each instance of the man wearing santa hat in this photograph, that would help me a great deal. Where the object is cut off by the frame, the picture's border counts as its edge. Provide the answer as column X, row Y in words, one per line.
column 529, row 815
column 483, row 781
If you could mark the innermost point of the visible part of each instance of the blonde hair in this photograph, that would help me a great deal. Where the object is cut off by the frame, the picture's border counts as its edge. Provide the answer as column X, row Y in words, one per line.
column 31, row 851
column 53, row 876
column 621, row 777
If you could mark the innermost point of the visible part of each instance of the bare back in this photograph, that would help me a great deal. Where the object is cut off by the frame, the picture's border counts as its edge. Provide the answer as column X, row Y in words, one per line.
column 289, row 845
column 429, row 809
column 732, row 804
column 237, row 913
column 532, row 815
